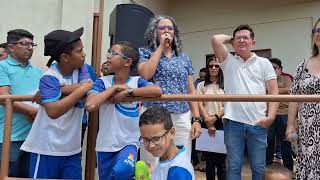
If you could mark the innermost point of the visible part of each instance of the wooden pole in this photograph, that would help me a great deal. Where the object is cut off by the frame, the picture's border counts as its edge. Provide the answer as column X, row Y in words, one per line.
column 93, row 117
column 5, row 156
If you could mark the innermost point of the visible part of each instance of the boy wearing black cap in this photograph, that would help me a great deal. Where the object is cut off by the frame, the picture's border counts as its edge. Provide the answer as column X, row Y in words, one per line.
column 54, row 139
column 118, row 136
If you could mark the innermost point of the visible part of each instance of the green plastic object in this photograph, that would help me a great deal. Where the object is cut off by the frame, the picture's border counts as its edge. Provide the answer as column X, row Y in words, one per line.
column 141, row 171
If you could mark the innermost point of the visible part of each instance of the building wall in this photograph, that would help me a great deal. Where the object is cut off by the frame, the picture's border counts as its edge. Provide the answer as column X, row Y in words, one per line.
column 285, row 28
column 42, row 16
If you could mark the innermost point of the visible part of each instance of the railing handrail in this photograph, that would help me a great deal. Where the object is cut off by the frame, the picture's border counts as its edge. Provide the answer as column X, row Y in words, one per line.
column 188, row 97
column 8, row 99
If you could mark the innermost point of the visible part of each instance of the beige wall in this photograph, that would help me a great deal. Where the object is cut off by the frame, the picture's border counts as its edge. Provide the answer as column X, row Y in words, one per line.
column 42, row 16
column 283, row 27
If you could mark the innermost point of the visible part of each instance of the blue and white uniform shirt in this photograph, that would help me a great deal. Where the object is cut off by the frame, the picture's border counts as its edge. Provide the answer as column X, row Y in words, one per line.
column 61, row 136
column 177, row 168
column 118, row 123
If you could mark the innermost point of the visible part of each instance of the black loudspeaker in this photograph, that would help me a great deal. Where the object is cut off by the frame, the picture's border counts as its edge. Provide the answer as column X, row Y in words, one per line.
column 128, row 22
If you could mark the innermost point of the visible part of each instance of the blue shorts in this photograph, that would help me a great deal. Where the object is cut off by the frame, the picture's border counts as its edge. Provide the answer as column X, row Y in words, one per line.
column 55, row 167
column 117, row 165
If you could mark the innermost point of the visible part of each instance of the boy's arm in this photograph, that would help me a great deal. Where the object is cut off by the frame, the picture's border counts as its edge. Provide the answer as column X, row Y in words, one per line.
column 20, row 107
column 60, row 107
column 68, row 89
column 145, row 89
column 95, row 100
column 148, row 91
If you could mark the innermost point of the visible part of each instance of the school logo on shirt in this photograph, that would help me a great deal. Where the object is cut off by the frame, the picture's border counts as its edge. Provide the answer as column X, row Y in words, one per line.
column 130, row 159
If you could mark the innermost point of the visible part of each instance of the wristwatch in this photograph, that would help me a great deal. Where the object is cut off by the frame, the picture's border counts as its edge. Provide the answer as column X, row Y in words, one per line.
column 130, row 92
column 196, row 119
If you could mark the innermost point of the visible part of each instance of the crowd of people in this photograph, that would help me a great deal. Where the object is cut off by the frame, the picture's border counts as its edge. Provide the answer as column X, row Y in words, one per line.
column 47, row 134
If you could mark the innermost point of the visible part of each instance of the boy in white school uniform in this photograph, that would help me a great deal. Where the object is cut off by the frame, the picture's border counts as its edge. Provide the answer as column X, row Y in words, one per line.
column 55, row 137
column 118, row 136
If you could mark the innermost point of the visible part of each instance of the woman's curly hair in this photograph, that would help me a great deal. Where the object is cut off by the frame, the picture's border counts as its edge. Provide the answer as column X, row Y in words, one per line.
column 151, row 39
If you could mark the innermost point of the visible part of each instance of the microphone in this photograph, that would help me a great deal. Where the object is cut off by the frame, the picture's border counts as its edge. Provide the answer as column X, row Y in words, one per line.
column 167, row 42
column 141, row 171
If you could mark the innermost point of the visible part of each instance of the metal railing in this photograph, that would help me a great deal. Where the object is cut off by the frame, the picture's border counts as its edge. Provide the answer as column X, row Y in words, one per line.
column 8, row 100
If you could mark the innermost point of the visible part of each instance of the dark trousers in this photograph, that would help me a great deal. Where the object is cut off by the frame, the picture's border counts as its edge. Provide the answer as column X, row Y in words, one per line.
column 215, row 161
column 278, row 130
column 19, row 160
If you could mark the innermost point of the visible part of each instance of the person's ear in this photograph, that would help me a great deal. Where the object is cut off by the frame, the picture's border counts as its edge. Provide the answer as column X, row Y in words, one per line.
column 64, row 57
column 172, row 132
column 128, row 62
column 10, row 48
column 253, row 42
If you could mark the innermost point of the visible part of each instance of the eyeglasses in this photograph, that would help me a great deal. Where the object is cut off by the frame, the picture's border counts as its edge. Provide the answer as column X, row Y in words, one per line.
column 112, row 53
column 238, row 38
column 162, row 28
column 215, row 66
column 155, row 140
column 316, row 30
column 26, row 44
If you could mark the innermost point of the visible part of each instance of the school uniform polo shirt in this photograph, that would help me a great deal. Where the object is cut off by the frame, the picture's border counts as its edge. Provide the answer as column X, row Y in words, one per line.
column 246, row 77
column 23, row 80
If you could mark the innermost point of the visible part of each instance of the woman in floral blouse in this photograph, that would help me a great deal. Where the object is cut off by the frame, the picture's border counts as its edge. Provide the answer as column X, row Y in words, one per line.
column 163, row 62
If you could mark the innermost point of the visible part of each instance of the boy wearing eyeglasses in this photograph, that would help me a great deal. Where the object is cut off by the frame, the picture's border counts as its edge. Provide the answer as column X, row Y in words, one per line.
column 157, row 136
column 118, row 136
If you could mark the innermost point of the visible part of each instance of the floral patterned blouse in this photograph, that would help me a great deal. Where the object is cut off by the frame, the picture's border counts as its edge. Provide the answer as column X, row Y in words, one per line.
column 172, row 76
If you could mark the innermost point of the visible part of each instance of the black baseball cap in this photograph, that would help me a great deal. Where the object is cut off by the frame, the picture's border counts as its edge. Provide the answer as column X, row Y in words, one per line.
column 57, row 40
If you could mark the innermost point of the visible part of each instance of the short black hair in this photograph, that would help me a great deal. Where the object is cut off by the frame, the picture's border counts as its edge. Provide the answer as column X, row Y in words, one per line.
column 130, row 50
column 244, row 27
column 203, row 70
column 17, row 34
column 277, row 168
column 156, row 115
column 276, row 61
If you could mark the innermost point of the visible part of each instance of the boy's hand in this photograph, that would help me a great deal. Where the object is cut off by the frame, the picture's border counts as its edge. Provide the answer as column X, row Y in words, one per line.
column 212, row 131
column 86, row 86
column 120, row 96
column 119, row 88
column 196, row 130
column 32, row 113
column 37, row 98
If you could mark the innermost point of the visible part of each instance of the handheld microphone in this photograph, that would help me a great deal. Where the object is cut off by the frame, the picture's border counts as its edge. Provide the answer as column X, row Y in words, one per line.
column 141, row 171
column 167, row 42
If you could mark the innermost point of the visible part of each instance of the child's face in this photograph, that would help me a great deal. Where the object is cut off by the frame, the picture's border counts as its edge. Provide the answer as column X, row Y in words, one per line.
column 276, row 176
column 77, row 55
column 115, row 59
column 156, row 139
